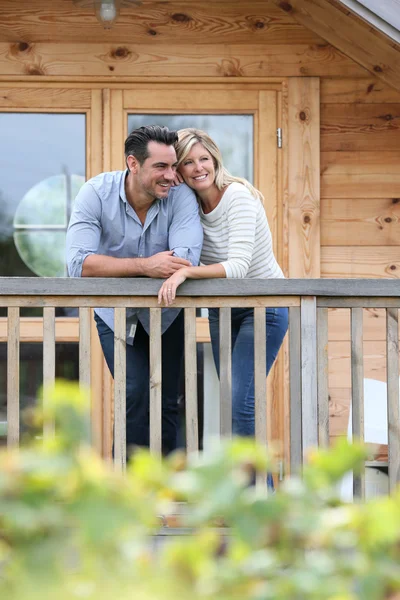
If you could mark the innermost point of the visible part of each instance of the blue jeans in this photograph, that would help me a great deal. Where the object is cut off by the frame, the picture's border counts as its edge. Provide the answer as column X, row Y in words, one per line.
column 137, row 381
column 243, row 358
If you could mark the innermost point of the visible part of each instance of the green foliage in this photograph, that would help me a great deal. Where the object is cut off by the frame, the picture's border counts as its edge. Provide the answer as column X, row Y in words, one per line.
column 73, row 528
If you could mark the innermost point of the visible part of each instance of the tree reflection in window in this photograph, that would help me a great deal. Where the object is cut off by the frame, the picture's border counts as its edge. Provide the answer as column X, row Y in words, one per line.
column 41, row 221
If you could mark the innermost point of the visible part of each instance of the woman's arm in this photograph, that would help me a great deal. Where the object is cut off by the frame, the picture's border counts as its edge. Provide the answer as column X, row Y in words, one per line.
column 168, row 289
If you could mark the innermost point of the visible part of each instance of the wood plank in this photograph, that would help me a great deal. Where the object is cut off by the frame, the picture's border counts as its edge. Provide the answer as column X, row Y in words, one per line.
column 392, row 353
column 357, row 91
column 361, row 185
column 374, row 324
column 191, row 420
column 322, row 377
column 304, row 178
column 339, row 409
column 225, row 372
column 268, row 171
column 13, row 426
column 163, row 22
column 357, row 391
column 95, row 135
column 118, row 124
column 145, row 290
column 51, row 98
column 174, row 60
column 360, row 261
column 120, row 389
column 371, row 161
column 155, row 382
column 84, row 348
column 296, row 452
column 360, row 127
column 339, row 362
column 66, row 329
column 360, row 221
column 309, row 392
column 49, row 364
column 184, row 100
column 349, row 34
column 97, row 365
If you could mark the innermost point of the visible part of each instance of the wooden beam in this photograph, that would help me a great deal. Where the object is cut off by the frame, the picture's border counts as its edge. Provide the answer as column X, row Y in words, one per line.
column 304, row 177
column 349, row 34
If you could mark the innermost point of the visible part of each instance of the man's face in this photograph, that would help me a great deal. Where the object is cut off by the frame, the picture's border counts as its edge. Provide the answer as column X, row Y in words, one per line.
column 155, row 175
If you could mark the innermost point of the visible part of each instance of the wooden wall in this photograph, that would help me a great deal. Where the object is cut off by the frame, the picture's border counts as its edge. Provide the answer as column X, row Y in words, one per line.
column 359, row 225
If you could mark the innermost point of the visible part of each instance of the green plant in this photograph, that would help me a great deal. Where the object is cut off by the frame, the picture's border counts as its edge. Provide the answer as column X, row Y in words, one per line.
column 71, row 527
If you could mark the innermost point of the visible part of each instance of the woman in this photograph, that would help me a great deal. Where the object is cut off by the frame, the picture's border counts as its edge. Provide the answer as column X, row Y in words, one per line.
column 237, row 243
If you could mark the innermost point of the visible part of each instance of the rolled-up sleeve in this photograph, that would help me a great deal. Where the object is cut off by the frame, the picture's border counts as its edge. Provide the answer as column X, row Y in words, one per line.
column 84, row 229
column 185, row 232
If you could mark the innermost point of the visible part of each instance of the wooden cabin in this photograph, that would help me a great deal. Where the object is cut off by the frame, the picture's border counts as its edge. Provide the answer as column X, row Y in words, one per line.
column 316, row 84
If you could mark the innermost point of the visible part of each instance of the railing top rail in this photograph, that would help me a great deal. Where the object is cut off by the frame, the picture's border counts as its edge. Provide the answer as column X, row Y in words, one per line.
column 138, row 286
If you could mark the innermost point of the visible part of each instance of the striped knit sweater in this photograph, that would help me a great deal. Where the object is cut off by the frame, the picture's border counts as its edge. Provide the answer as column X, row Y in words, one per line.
column 237, row 235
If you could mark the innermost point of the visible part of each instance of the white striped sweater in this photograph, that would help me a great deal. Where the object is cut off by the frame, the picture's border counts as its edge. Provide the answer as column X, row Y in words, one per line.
column 237, row 235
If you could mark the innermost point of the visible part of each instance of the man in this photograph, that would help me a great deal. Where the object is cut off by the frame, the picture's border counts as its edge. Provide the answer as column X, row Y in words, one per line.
column 132, row 223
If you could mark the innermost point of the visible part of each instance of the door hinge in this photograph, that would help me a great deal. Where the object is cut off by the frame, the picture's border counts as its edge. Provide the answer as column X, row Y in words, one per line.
column 279, row 137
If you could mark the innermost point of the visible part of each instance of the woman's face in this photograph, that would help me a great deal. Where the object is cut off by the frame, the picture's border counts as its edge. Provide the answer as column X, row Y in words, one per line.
column 198, row 169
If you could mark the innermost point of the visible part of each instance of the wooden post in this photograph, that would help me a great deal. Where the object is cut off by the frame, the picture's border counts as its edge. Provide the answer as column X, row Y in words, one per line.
column 357, row 389
column 13, row 377
column 49, row 362
column 155, row 381
column 120, row 388
column 225, row 371
column 323, row 392
column 192, row 433
column 392, row 358
column 309, row 373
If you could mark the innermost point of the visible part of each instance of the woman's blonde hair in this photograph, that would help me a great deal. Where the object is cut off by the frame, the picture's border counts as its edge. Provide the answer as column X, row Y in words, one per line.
column 187, row 138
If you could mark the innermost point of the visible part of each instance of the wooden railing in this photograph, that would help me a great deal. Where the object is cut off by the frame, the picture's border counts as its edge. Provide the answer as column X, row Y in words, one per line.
column 308, row 302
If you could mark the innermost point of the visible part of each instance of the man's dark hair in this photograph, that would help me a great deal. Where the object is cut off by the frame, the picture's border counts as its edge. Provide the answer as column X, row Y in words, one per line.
column 136, row 144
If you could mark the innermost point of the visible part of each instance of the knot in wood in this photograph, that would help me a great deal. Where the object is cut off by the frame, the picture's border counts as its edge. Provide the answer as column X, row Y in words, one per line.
column 152, row 32
column 120, row 52
column 378, row 69
column 303, row 116
column 181, row 18
column 388, row 220
column 395, row 200
column 393, row 267
column 23, row 46
column 286, row 6
column 34, row 70
column 259, row 25
column 307, row 219
column 370, row 88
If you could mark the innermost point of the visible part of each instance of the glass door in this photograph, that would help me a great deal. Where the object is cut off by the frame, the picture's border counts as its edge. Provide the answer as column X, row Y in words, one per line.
column 243, row 121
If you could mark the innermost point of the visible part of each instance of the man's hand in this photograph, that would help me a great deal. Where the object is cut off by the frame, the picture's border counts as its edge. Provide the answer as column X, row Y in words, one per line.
column 163, row 264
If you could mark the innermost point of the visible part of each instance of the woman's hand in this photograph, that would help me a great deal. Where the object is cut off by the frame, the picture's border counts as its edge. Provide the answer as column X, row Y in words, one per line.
column 177, row 179
column 168, row 289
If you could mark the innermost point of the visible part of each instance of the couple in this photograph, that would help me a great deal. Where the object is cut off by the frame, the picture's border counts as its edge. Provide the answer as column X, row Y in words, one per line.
column 139, row 223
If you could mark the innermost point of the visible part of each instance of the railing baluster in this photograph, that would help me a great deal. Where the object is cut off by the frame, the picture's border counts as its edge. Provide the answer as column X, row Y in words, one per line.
column 225, row 371
column 155, row 381
column 49, row 363
column 13, row 377
column 357, row 390
column 192, row 432
column 392, row 358
column 295, row 390
column 260, row 380
column 120, row 388
column 84, row 347
column 323, row 390
column 260, row 383
column 309, row 373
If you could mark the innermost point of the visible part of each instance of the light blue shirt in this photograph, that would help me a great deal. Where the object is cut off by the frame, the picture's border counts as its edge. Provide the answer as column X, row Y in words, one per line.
column 103, row 222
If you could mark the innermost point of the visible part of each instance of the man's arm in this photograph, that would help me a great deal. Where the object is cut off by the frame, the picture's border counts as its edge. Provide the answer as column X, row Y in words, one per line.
column 185, row 232
column 83, row 241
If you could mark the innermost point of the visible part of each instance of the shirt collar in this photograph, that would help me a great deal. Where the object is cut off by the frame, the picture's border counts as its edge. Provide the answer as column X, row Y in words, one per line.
column 122, row 193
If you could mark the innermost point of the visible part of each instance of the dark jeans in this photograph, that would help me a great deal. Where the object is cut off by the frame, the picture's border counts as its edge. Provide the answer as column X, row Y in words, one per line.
column 243, row 358
column 137, row 381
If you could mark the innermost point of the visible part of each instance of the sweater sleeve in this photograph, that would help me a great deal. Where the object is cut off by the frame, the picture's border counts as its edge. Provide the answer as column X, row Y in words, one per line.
column 241, row 217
